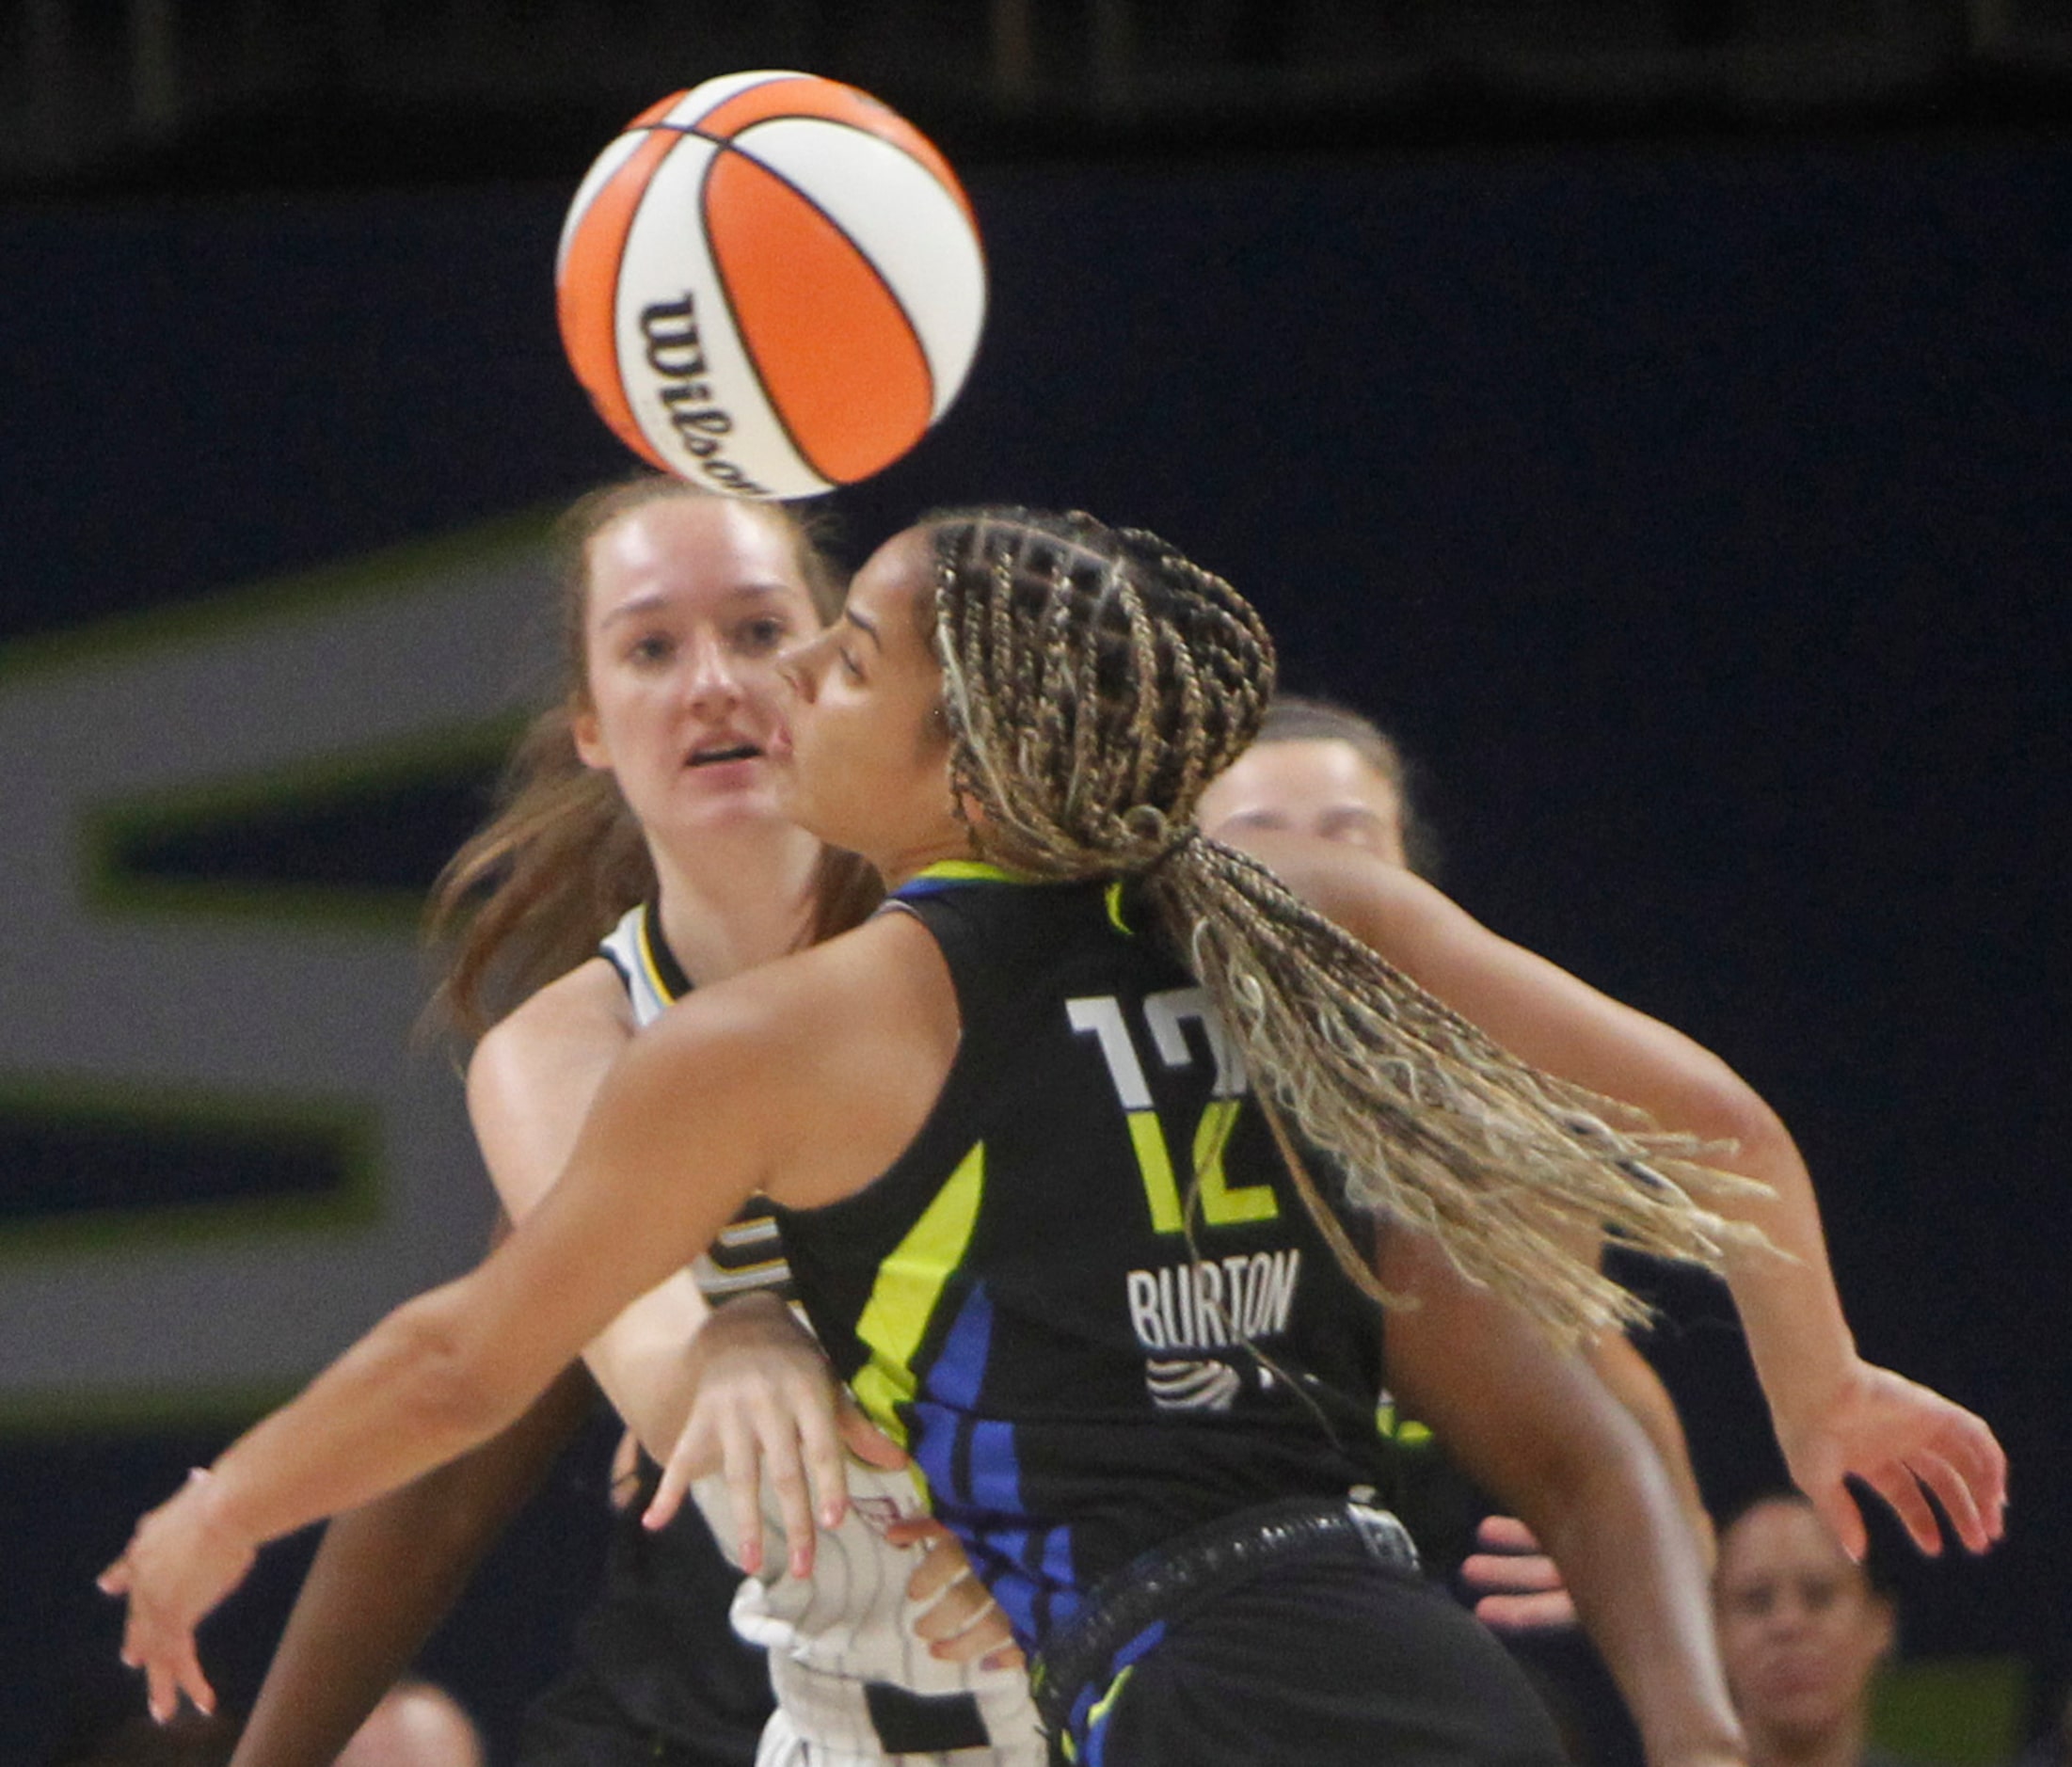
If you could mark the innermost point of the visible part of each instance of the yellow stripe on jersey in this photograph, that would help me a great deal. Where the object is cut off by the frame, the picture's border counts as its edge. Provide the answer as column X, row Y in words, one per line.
column 1155, row 1165
column 1112, row 897
column 911, row 1280
column 645, row 947
column 969, row 872
column 1223, row 1205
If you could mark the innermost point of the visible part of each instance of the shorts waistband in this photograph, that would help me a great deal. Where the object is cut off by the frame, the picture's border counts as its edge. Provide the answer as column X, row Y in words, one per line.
column 1081, row 1657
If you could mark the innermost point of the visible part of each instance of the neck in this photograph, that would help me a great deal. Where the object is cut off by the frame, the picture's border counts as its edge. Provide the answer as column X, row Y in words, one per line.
column 747, row 900
column 897, row 868
column 1843, row 1746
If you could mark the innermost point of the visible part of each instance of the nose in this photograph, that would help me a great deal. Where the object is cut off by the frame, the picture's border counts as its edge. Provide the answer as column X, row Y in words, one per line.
column 798, row 665
column 711, row 685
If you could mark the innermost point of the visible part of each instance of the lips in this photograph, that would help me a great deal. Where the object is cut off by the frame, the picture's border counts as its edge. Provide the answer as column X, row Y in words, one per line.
column 720, row 755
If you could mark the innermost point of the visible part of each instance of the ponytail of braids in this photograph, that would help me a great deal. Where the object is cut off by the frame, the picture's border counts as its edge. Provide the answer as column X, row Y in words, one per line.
column 1095, row 681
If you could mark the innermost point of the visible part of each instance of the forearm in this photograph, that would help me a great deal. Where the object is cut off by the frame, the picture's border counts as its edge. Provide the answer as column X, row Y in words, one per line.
column 644, row 1361
column 1613, row 1524
column 385, row 1576
column 1637, row 1386
column 1789, row 1308
column 1540, row 1430
column 406, row 1398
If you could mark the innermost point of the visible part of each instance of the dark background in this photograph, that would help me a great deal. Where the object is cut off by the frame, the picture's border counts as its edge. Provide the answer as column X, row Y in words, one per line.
column 1685, row 483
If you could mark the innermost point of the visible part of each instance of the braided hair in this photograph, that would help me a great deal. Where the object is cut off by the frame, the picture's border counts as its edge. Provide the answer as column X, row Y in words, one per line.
column 1095, row 681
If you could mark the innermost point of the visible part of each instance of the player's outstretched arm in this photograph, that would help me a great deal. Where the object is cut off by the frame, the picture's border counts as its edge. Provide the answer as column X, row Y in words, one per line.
column 1542, row 1432
column 385, row 1576
column 804, row 1079
column 1836, row 1415
column 699, row 1388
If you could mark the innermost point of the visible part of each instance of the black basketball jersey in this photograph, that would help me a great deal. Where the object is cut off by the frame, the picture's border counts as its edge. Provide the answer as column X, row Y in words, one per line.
column 1079, row 1371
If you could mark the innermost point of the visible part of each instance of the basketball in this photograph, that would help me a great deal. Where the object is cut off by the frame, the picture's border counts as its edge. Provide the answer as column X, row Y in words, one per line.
column 771, row 284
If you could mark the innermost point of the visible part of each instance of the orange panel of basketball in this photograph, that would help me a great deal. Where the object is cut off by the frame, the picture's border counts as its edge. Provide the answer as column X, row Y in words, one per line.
column 840, row 359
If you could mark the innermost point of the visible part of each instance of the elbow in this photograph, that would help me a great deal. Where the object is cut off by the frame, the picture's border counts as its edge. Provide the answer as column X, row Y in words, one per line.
column 446, row 1383
column 1735, row 1124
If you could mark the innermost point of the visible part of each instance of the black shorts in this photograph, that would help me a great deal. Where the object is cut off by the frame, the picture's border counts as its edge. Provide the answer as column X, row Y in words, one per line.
column 1326, row 1659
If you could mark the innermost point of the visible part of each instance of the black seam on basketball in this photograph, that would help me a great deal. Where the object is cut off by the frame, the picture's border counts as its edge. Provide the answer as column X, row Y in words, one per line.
column 877, row 270
column 733, row 313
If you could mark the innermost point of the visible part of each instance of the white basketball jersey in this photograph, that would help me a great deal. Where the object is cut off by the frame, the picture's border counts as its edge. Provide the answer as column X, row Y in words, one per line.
column 841, row 1637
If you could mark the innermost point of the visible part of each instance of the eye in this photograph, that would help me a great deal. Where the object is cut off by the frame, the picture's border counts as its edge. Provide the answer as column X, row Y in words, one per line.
column 763, row 634
column 850, row 667
column 650, row 649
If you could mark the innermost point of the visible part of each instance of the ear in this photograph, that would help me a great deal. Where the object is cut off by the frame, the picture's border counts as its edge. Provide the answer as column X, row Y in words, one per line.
column 589, row 739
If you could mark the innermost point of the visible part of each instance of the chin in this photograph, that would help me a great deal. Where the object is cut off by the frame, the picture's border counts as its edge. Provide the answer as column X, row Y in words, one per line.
column 734, row 811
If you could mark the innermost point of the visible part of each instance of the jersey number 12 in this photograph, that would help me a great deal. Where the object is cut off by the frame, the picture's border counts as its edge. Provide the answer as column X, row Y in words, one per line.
column 1100, row 1016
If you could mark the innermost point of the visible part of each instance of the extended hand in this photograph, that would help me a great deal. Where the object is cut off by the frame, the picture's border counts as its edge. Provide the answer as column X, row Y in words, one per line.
column 1519, row 1588
column 768, row 1407
column 179, row 1564
column 1902, row 1440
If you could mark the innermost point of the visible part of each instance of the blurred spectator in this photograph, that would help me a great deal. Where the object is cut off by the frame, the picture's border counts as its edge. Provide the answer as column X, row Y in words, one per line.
column 1802, row 1631
column 416, row 1725
column 2053, row 1748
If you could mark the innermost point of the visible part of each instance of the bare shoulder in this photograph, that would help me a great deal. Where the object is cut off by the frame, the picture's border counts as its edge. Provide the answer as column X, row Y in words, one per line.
column 840, row 1050
column 581, row 1020
column 884, row 981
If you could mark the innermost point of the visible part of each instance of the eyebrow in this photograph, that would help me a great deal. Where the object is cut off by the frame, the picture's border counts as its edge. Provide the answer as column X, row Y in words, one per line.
column 863, row 626
column 655, row 599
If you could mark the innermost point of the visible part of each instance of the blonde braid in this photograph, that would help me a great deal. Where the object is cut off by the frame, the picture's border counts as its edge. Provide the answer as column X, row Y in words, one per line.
column 1095, row 681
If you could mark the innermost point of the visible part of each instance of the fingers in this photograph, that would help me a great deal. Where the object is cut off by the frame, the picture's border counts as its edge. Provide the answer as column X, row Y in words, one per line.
column 941, row 1566
column 1839, row 1510
column 189, row 1679
column 821, row 1438
column 1506, row 1574
column 1505, row 1534
column 1526, row 1612
column 959, row 1620
column 1905, row 1497
column 668, row 1498
column 1952, row 1490
column 171, row 1666
column 864, row 1439
column 794, row 1497
column 988, row 1638
column 1976, row 1453
column 742, row 1468
column 917, row 1531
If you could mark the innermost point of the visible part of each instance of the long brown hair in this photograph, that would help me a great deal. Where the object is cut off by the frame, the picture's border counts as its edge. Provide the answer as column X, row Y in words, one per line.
column 1095, row 680
column 529, row 895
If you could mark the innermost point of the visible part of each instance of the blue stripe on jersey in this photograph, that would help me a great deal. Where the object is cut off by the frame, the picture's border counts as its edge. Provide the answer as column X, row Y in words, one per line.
column 949, row 874
column 973, row 1469
column 996, row 1475
column 1087, row 1740
column 1060, row 1579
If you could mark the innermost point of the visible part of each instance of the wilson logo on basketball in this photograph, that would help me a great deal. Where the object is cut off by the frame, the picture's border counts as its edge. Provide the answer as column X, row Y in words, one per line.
column 677, row 359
